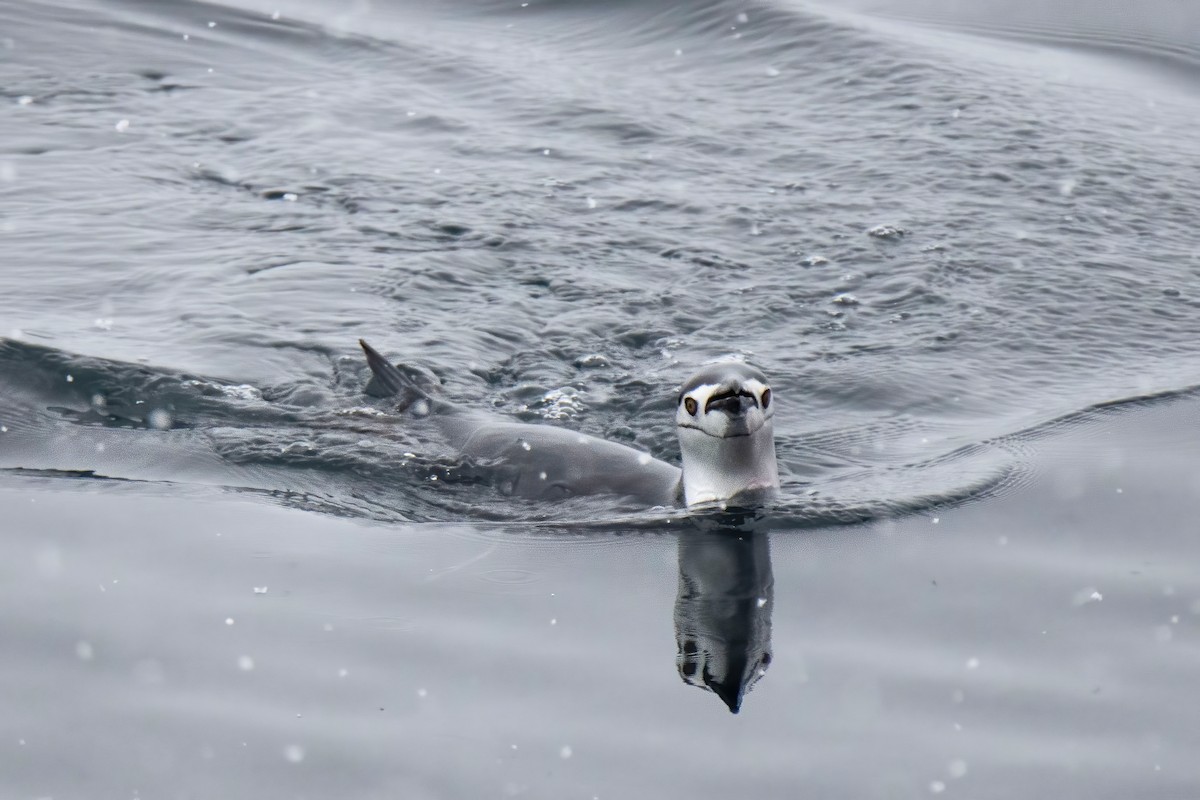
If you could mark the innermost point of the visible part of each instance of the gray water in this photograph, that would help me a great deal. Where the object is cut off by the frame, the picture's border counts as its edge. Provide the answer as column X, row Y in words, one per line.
column 960, row 239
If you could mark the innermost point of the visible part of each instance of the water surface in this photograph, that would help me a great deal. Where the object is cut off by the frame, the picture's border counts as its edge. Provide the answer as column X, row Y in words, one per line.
column 960, row 239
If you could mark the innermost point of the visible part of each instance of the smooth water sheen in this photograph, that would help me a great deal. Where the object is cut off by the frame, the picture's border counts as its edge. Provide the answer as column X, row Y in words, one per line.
column 961, row 240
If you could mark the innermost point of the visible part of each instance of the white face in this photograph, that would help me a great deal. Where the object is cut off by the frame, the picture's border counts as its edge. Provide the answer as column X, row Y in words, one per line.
column 731, row 408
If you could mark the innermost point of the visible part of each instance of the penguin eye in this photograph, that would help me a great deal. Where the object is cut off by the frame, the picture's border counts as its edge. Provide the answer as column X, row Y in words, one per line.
column 766, row 399
column 689, row 405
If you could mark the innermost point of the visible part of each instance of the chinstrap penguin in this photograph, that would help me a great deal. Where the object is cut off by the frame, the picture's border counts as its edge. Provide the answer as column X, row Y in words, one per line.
column 723, row 417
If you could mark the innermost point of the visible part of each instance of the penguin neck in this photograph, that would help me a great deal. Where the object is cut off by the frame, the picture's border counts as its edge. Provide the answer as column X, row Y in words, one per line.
column 717, row 470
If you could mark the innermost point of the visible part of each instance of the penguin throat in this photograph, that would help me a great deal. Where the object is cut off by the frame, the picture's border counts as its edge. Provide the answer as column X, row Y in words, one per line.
column 718, row 470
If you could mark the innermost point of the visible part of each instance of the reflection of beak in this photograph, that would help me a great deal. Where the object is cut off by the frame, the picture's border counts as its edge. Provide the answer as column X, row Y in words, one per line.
column 730, row 691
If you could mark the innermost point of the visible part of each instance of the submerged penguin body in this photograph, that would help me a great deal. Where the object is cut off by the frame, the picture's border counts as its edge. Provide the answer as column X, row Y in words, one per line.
column 547, row 463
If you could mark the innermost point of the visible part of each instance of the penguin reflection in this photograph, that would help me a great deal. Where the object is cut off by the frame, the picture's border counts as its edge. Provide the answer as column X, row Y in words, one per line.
column 723, row 611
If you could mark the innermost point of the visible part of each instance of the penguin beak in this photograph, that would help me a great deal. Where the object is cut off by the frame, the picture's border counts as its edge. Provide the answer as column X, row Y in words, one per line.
column 734, row 401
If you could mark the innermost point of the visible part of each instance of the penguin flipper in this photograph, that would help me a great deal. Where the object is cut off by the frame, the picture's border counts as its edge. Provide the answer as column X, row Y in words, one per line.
column 407, row 384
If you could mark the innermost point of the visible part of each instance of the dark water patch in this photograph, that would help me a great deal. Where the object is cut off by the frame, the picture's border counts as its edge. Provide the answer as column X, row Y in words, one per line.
column 290, row 438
